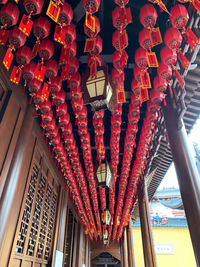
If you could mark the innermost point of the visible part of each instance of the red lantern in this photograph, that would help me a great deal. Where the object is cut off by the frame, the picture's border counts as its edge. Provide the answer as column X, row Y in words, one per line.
column 53, row 133
column 144, row 39
column 135, row 87
column 55, row 85
column 64, row 120
column 41, row 27
column 91, row 6
column 119, row 59
column 59, row 98
column 76, row 94
column 23, row 55
column 141, row 58
column 98, row 46
column 46, row 117
column 17, row 38
column 92, row 59
column 168, row 56
column 179, row 16
column 70, row 34
column 28, row 71
column 75, row 81
column 67, row 130
column 164, row 71
column 46, row 49
column 121, row 3
column 148, row 16
column 34, row 85
column 61, row 110
column 157, row 97
column 117, row 76
column 137, row 73
column 9, row 15
column 73, row 66
column 65, row 15
column 38, row 98
column 121, row 17
column 49, row 127
column 51, row 68
column 173, row 38
column 33, row 7
column 159, row 84
column 45, row 107
column 89, row 32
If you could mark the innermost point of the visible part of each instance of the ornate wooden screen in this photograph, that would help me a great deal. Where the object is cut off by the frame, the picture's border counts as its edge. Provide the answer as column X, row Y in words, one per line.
column 35, row 230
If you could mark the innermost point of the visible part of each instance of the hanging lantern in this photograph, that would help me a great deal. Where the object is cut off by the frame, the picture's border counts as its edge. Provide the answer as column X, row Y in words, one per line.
column 148, row 16
column 168, row 56
column 159, row 84
column 157, row 97
column 64, row 121
column 46, row 49
column 103, row 174
column 179, row 16
column 107, row 217
column 38, row 98
column 41, row 27
column 141, row 58
column 67, row 130
column 121, row 3
column 135, row 87
column 137, row 73
column 59, row 98
column 45, row 107
column 117, row 76
column 144, row 39
column 76, row 94
column 120, row 40
column 75, row 81
column 55, row 85
column 51, row 68
column 28, row 71
column 121, row 17
column 73, row 66
column 33, row 7
column 16, row 38
column 119, row 59
column 61, row 110
column 98, row 46
column 23, row 55
column 49, row 127
column 91, row 6
column 70, row 34
column 46, row 117
column 164, row 71
column 89, row 32
column 173, row 38
column 34, row 85
column 9, row 15
column 65, row 15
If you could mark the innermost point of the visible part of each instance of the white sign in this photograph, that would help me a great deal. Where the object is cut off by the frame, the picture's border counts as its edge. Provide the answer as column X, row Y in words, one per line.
column 164, row 249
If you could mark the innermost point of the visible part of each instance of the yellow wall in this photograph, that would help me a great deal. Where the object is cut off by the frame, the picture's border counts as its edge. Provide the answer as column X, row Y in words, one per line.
column 183, row 252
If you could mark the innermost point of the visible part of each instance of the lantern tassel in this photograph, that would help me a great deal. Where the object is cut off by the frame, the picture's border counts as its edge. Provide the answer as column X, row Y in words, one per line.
column 170, row 90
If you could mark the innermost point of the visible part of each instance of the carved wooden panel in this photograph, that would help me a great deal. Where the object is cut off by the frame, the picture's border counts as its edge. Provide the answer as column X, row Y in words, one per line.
column 35, row 231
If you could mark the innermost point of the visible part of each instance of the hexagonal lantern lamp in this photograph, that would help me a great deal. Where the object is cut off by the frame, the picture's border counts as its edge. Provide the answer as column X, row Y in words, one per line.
column 107, row 216
column 98, row 91
column 103, row 174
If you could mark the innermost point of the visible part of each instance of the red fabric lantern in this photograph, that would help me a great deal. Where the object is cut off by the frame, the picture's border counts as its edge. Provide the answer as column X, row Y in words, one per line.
column 49, row 127
column 148, row 16
column 9, row 15
column 117, row 76
column 144, row 39
column 51, row 68
column 92, row 58
column 135, row 87
column 137, row 73
column 89, row 32
column 67, row 130
column 59, row 98
column 33, row 7
column 55, row 85
column 65, row 15
column 156, row 97
column 76, row 94
column 98, row 46
column 75, row 81
column 28, row 71
column 159, row 84
column 23, row 55
column 91, row 6
column 61, row 110
column 41, row 27
column 73, row 66
column 45, row 107
column 164, row 71
column 141, row 58
column 34, row 85
column 38, row 97
column 70, row 34
column 121, row 17
column 64, row 120
column 121, row 3
column 46, row 49
column 179, row 16
column 168, row 56
column 119, row 59
column 173, row 38
column 46, row 117
column 17, row 38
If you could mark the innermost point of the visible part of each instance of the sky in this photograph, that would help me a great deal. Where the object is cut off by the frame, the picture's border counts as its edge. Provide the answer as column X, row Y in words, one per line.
column 170, row 179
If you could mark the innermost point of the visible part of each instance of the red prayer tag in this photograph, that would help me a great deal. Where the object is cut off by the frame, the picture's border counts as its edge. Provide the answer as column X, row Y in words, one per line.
column 53, row 11
column 121, row 98
column 191, row 38
column 90, row 21
column 8, row 59
column 155, row 36
column 152, row 59
column 65, row 72
column 90, row 45
column 40, row 72
column 3, row 36
column 93, row 69
column 123, row 40
column 64, row 56
column 144, row 95
column 45, row 91
column 35, row 49
column 145, row 79
column 59, row 35
column 184, row 61
column 16, row 75
column 178, row 77
column 26, row 25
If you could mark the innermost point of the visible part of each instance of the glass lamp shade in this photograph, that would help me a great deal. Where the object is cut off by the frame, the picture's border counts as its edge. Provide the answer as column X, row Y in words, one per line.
column 107, row 217
column 103, row 174
column 105, row 235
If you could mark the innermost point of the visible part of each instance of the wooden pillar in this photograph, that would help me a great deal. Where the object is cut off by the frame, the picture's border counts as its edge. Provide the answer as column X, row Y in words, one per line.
column 14, row 186
column 187, row 174
column 86, row 251
column 75, row 241
column 89, row 253
column 147, row 239
column 79, row 246
column 125, row 244
column 122, row 251
column 130, row 246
